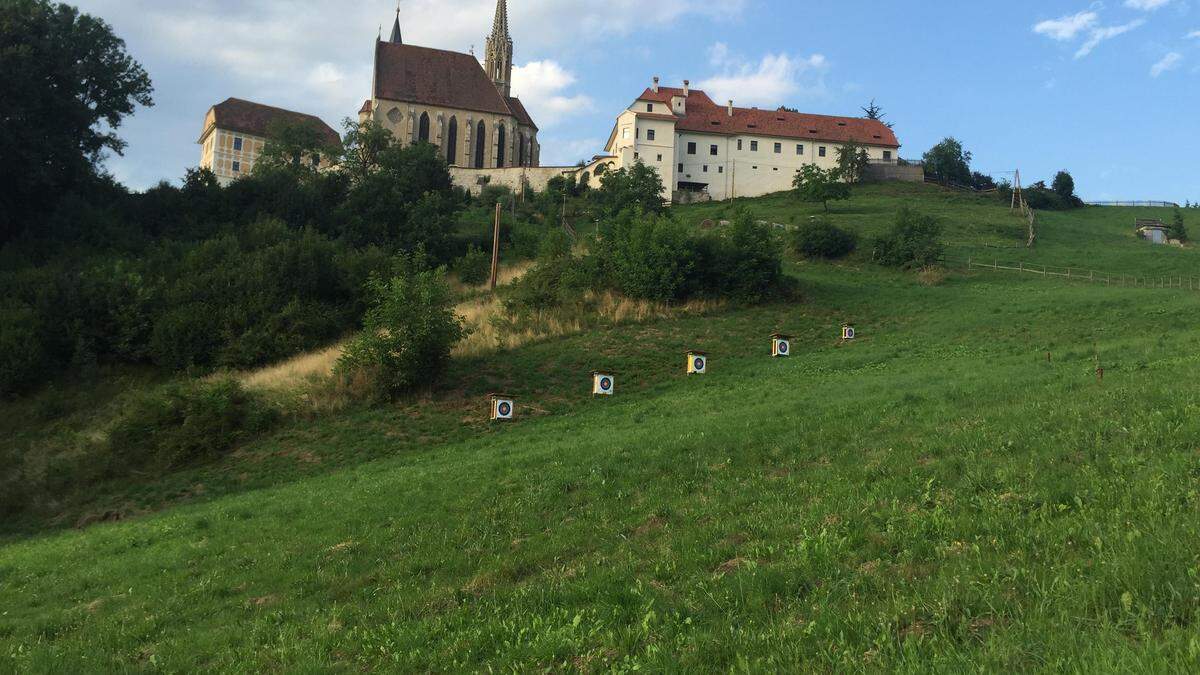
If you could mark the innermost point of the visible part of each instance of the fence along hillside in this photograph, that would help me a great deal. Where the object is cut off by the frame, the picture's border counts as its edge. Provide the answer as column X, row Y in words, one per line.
column 1081, row 274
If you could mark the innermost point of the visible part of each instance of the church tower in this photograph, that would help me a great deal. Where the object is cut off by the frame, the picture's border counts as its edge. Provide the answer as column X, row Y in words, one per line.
column 497, row 59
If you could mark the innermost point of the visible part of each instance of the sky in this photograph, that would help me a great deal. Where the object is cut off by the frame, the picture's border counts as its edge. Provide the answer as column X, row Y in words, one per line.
column 1107, row 90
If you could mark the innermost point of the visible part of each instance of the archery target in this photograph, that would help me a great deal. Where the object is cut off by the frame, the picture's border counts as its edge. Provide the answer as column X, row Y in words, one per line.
column 503, row 409
column 782, row 348
column 847, row 332
column 699, row 363
column 603, row 384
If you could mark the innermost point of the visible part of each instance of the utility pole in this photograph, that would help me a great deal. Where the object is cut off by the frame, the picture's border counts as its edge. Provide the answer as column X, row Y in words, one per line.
column 495, row 248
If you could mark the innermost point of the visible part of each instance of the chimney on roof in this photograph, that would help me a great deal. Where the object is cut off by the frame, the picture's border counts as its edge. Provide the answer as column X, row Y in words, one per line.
column 686, row 87
column 654, row 87
column 731, row 107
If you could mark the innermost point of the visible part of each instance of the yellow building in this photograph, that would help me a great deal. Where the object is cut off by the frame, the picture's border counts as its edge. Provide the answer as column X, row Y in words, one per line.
column 446, row 98
column 235, row 133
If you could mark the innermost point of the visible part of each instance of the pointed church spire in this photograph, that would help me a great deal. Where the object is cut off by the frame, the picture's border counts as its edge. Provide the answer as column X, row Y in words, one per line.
column 396, row 28
column 497, row 59
column 500, row 23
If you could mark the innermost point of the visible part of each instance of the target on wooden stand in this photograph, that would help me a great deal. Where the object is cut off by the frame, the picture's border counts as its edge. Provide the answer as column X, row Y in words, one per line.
column 847, row 332
column 503, row 407
column 697, row 362
column 602, row 383
column 781, row 345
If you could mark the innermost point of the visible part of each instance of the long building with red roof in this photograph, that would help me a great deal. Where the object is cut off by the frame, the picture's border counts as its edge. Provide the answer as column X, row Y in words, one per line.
column 722, row 151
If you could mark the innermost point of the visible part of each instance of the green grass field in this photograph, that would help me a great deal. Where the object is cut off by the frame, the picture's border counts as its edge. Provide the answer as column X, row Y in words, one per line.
column 936, row 495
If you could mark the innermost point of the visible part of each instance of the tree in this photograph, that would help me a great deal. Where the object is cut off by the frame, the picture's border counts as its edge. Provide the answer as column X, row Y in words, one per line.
column 1177, row 229
column 1064, row 186
column 948, row 162
column 874, row 112
column 67, row 84
column 408, row 331
column 635, row 186
column 852, row 161
column 363, row 147
column 814, row 184
column 912, row 241
column 982, row 181
column 295, row 146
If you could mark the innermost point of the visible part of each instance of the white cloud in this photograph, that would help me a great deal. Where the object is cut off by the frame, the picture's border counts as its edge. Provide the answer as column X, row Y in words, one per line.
column 1193, row 35
column 541, row 85
column 1067, row 27
column 1107, row 33
column 773, row 80
column 1147, row 5
column 1169, row 62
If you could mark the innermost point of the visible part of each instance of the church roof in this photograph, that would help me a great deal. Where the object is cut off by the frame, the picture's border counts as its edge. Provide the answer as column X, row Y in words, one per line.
column 705, row 116
column 435, row 77
column 519, row 112
column 248, row 117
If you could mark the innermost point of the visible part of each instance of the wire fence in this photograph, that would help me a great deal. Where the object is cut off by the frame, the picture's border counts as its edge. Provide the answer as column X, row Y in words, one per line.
column 1082, row 274
column 1134, row 203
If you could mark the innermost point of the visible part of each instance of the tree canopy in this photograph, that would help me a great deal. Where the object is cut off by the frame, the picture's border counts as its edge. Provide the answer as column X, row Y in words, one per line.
column 814, row 184
column 66, row 84
column 948, row 162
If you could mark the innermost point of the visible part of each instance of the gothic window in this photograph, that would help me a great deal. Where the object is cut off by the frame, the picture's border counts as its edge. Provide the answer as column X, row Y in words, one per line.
column 521, row 150
column 452, row 141
column 500, row 145
column 394, row 116
column 480, row 145
column 423, row 129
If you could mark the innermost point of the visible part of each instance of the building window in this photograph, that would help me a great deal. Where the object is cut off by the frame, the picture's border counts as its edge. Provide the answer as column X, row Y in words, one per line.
column 821, row 151
column 799, row 149
column 712, row 150
column 237, row 166
column 649, row 134
column 625, row 133
column 739, row 144
column 887, row 154
column 660, row 158
column 637, row 133
column 720, row 169
column 778, row 148
column 753, row 146
column 680, row 168
column 704, row 168
column 636, row 156
column 237, row 144
column 691, row 148
column 316, row 161
column 649, row 107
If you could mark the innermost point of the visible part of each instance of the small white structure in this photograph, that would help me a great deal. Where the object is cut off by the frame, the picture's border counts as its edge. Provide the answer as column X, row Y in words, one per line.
column 847, row 332
column 602, row 383
column 697, row 362
column 503, row 407
column 781, row 345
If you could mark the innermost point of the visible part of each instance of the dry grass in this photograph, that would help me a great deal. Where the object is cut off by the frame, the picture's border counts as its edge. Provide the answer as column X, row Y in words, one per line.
column 310, row 374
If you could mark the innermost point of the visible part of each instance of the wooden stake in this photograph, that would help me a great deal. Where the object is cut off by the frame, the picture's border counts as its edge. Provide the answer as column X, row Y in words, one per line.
column 495, row 248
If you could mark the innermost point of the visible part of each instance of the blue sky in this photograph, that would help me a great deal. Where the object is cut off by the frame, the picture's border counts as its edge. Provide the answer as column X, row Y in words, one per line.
column 1109, row 90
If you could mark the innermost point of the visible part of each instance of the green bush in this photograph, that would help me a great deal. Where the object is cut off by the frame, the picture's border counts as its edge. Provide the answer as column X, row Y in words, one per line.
column 183, row 424
column 912, row 242
column 648, row 256
column 750, row 265
column 23, row 359
column 408, row 331
column 474, row 267
column 821, row 239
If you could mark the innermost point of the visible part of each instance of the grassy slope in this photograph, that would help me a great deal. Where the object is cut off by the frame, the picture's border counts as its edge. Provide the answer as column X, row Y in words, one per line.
column 934, row 495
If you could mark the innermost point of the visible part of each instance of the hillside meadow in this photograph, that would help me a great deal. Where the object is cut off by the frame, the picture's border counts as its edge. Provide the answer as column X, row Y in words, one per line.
column 956, row 489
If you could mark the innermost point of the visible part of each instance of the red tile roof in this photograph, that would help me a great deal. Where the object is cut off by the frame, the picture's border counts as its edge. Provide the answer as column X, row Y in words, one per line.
column 519, row 112
column 366, row 107
column 704, row 116
column 434, row 77
column 235, row 114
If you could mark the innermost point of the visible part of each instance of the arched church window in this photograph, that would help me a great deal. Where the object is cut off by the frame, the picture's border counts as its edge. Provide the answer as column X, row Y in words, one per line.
column 480, row 144
column 452, row 141
column 500, row 145
column 423, row 129
column 394, row 115
column 584, row 178
column 521, row 149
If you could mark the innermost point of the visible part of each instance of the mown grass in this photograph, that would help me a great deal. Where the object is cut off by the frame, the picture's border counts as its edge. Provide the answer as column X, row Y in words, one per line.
column 935, row 496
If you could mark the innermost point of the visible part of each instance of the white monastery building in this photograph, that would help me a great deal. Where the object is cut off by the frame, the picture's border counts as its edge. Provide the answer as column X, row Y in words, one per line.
column 721, row 151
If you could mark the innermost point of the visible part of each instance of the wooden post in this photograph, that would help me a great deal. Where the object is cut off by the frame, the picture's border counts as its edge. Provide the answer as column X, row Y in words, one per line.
column 495, row 248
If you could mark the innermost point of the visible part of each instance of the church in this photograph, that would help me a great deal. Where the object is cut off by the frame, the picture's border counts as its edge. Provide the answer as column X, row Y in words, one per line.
column 446, row 98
